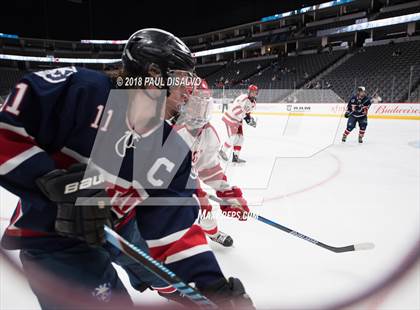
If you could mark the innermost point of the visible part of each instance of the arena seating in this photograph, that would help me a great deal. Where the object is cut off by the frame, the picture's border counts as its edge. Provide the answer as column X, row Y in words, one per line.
column 291, row 72
column 8, row 78
column 384, row 68
column 205, row 71
column 415, row 94
column 236, row 71
column 398, row 12
column 392, row 70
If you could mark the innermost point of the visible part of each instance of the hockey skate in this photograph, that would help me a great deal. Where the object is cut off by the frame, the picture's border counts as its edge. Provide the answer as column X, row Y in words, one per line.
column 360, row 139
column 222, row 238
column 236, row 159
column 344, row 138
column 223, row 155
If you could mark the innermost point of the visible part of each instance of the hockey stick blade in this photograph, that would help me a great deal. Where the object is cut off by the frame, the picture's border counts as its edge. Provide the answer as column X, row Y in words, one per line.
column 349, row 248
column 157, row 269
column 364, row 246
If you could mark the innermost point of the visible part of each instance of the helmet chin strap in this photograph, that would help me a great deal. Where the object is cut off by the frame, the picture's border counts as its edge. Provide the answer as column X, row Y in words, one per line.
column 164, row 74
column 160, row 104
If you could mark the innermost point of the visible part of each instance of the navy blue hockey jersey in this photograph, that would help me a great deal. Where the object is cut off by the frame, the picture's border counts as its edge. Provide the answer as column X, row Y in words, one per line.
column 359, row 106
column 58, row 117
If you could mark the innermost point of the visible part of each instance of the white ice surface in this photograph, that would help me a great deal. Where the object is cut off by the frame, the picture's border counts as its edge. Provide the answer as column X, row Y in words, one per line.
column 298, row 173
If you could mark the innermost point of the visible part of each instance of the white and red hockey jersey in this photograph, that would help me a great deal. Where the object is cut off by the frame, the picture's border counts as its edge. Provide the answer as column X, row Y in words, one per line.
column 204, row 146
column 240, row 107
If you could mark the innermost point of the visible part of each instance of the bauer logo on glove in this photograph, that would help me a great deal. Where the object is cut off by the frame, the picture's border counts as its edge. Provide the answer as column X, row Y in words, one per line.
column 83, row 184
column 64, row 188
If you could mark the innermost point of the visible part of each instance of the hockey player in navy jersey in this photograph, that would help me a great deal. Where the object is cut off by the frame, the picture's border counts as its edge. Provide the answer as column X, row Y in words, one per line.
column 137, row 170
column 357, row 110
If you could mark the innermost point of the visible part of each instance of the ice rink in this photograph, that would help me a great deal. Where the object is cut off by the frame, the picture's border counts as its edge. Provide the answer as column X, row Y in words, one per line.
column 300, row 174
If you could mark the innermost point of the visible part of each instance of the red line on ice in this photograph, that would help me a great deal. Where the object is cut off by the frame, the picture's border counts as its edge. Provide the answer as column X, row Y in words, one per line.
column 320, row 183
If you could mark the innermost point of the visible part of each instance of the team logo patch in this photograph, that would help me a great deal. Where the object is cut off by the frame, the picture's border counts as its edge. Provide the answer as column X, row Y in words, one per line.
column 103, row 292
column 56, row 75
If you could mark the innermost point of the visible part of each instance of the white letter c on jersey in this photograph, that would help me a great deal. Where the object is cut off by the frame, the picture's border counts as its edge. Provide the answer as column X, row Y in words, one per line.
column 152, row 171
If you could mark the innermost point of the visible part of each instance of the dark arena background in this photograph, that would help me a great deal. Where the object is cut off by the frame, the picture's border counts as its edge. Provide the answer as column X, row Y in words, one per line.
column 339, row 186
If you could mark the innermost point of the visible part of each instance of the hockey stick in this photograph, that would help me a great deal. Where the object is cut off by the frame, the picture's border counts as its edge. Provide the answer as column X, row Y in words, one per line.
column 157, row 269
column 349, row 248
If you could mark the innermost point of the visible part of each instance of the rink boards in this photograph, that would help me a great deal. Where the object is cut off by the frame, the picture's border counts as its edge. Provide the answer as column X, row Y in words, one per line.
column 402, row 111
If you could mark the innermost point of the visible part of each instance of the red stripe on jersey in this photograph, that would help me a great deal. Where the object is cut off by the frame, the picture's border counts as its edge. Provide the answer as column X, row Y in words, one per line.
column 237, row 108
column 206, row 172
column 218, row 177
column 63, row 161
column 193, row 237
column 211, row 231
column 126, row 219
column 20, row 232
column 199, row 192
column 233, row 119
column 210, row 126
column 231, row 130
column 229, row 123
column 17, row 214
column 14, row 231
column 164, row 290
column 159, row 251
column 13, row 144
column 240, row 111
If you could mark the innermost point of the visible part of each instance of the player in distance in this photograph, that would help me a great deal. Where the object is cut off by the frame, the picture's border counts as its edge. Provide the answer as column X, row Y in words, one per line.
column 357, row 111
column 239, row 110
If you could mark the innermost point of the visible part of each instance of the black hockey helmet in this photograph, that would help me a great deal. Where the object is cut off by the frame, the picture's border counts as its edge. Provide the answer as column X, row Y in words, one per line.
column 156, row 47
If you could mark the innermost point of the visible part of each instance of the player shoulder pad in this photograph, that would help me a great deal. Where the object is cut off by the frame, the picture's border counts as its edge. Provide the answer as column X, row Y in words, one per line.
column 75, row 75
column 91, row 78
column 244, row 97
column 56, row 81
column 54, row 76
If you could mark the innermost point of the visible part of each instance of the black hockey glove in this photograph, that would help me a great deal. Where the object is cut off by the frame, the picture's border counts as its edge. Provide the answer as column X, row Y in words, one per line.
column 250, row 120
column 85, row 221
column 228, row 294
column 347, row 114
